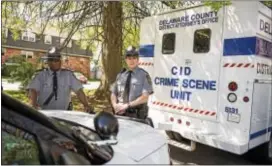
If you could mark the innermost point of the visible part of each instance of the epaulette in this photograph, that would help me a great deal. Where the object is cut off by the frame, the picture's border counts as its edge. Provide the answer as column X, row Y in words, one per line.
column 67, row 70
column 143, row 70
column 43, row 69
column 62, row 69
column 38, row 71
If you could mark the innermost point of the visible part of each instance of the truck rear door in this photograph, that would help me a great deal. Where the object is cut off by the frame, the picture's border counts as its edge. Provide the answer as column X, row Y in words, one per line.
column 188, row 49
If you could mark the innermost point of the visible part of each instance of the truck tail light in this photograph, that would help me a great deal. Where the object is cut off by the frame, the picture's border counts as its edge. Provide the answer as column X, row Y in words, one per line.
column 232, row 97
column 179, row 121
column 246, row 99
column 233, row 86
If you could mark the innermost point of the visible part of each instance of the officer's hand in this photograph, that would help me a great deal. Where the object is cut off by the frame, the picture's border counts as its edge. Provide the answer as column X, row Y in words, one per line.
column 35, row 106
column 124, row 107
column 118, row 109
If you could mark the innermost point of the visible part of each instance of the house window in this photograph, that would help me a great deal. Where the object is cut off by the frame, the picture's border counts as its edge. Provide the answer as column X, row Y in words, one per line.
column 168, row 43
column 48, row 39
column 68, row 45
column 27, row 54
column 202, row 39
column 28, row 36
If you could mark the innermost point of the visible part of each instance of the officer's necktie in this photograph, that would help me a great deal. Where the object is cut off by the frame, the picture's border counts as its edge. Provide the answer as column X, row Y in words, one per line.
column 127, row 87
column 55, row 85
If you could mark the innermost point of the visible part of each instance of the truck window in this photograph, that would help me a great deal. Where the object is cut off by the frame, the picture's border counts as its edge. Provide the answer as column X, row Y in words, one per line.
column 202, row 38
column 168, row 43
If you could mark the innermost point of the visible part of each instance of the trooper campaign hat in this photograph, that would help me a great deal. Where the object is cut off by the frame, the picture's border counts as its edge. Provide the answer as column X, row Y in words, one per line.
column 131, row 51
column 53, row 53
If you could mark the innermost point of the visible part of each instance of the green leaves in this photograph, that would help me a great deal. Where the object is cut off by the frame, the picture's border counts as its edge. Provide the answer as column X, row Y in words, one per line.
column 216, row 5
column 24, row 71
column 267, row 3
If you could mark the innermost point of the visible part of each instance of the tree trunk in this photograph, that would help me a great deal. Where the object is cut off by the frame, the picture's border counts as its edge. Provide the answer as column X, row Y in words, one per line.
column 111, row 48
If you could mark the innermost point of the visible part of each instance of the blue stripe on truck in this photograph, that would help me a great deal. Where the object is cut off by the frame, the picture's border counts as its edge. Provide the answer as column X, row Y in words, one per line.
column 240, row 46
column 245, row 46
column 146, row 51
column 260, row 133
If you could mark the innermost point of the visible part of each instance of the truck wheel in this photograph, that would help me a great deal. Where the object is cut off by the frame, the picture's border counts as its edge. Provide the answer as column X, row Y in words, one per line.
column 170, row 134
column 269, row 150
column 265, row 151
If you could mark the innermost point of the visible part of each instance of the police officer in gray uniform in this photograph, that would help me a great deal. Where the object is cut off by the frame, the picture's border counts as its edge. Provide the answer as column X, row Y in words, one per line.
column 132, row 88
column 51, row 88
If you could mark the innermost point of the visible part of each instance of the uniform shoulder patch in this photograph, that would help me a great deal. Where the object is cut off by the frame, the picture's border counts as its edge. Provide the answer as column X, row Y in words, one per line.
column 148, row 79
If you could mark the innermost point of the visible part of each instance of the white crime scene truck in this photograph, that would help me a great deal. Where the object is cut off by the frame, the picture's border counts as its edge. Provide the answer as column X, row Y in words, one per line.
column 212, row 75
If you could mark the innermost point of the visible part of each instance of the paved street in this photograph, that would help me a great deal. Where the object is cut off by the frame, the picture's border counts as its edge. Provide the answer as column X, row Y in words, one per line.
column 15, row 86
column 205, row 155
column 10, row 86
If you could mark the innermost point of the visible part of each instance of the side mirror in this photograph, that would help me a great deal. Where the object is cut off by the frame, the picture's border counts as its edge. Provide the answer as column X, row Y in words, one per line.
column 106, row 125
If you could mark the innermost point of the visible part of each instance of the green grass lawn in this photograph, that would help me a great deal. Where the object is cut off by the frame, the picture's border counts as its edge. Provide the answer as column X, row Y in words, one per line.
column 19, row 95
column 98, row 105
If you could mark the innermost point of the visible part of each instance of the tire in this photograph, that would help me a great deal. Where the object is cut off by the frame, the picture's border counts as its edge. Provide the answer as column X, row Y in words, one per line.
column 261, row 154
column 170, row 134
column 268, row 151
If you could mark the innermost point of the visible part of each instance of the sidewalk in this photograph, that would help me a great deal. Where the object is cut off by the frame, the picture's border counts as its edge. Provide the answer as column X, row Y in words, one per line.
column 15, row 86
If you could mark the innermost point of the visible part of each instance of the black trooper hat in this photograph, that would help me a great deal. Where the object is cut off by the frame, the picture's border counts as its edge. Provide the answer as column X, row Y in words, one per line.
column 53, row 53
column 131, row 51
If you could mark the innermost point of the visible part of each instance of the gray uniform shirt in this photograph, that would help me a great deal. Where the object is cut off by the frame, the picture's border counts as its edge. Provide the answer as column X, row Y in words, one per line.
column 43, row 84
column 140, row 83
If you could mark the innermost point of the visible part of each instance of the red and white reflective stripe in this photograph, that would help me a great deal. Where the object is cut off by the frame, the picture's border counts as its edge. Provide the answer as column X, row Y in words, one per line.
column 239, row 65
column 145, row 63
column 185, row 109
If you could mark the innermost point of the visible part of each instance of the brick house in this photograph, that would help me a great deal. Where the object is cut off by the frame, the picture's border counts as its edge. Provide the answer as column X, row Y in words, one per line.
column 33, row 47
